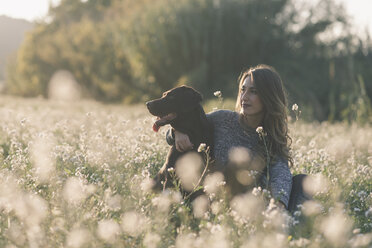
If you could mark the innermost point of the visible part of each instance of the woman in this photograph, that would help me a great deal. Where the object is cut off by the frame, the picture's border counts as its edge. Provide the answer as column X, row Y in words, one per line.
column 261, row 102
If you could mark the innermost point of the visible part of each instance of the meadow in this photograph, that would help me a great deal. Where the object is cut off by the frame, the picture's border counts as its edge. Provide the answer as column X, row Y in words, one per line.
column 78, row 174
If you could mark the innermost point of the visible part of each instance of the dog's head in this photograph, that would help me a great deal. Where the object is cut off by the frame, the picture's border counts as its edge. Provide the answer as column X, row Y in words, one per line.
column 173, row 102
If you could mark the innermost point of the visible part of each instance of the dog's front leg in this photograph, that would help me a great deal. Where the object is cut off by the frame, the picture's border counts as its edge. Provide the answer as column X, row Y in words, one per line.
column 162, row 179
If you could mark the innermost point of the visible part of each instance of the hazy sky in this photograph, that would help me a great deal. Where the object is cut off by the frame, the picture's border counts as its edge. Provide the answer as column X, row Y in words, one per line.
column 25, row 9
column 33, row 9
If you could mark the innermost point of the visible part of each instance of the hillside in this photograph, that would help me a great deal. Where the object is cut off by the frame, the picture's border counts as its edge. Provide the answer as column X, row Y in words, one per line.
column 12, row 32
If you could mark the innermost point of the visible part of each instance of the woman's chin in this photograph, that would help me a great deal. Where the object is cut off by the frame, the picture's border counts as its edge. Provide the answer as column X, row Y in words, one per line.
column 245, row 112
column 249, row 112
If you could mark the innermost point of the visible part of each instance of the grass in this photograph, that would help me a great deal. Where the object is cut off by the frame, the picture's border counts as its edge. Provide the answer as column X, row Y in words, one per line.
column 77, row 175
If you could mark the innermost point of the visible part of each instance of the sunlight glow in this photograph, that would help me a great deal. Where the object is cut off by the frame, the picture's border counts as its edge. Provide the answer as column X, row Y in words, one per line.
column 24, row 9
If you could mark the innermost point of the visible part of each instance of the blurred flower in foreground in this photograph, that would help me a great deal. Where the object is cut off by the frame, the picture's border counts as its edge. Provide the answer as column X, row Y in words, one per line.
column 361, row 240
column 165, row 199
column 108, row 230
column 239, row 155
column 63, row 87
column 133, row 223
column 259, row 240
column 200, row 206
column 185, row 240
column 151, row 240
column 162, row 202
column 188, row 169
column 147, row 184
column 78, row 237
column 315, row 184
column 30, row 208
column 33, row 209
column 247, row 205
column 76, row 191
column 336, row 227
column 41, row 155
column 212, row 182
column 311, row 208
column 301, row 242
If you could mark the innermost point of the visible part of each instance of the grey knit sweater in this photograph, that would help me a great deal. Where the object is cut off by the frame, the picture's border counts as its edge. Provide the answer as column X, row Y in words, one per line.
column 228, row 134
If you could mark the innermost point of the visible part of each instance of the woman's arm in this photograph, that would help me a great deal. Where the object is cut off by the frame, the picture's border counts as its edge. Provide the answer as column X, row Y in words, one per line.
column 180, row 140
column 171, row 134
column 280, row 181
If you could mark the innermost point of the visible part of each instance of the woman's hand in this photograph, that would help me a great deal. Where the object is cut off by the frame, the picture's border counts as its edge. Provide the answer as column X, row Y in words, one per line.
column 182, row 142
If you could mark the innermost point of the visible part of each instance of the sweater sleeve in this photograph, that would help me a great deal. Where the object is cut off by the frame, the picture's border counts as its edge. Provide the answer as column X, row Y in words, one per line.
column 280, row 181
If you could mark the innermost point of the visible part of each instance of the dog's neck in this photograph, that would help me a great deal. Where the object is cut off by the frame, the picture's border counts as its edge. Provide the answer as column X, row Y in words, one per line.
column 182, row 124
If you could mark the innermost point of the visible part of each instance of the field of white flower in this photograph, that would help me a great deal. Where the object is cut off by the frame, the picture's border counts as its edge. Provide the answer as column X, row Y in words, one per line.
column 78, row 175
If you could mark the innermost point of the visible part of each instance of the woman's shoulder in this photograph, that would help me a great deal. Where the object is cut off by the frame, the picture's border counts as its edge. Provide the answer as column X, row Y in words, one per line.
column 221, row 114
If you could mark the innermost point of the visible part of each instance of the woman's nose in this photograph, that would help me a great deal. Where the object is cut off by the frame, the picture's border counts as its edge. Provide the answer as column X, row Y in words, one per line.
column 244, row 95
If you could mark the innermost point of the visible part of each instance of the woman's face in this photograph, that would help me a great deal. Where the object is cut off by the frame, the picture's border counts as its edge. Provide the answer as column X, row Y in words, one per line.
column 251, row 104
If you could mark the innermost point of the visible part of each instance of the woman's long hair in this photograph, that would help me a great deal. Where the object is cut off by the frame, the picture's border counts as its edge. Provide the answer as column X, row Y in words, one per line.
column 271, row 91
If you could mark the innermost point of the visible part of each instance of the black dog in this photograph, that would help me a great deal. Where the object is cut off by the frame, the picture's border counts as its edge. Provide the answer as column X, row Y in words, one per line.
column 180, row 107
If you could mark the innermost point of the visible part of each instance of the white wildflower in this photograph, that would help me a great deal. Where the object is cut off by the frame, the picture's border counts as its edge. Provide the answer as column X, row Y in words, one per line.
column 202, row 147
column 256, row 191
column 217, row 93
column 295, row 107
column 261, row 132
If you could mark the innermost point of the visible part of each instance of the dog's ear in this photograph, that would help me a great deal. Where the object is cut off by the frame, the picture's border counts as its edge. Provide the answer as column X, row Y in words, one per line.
column 191, row 99
column 198, row 96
